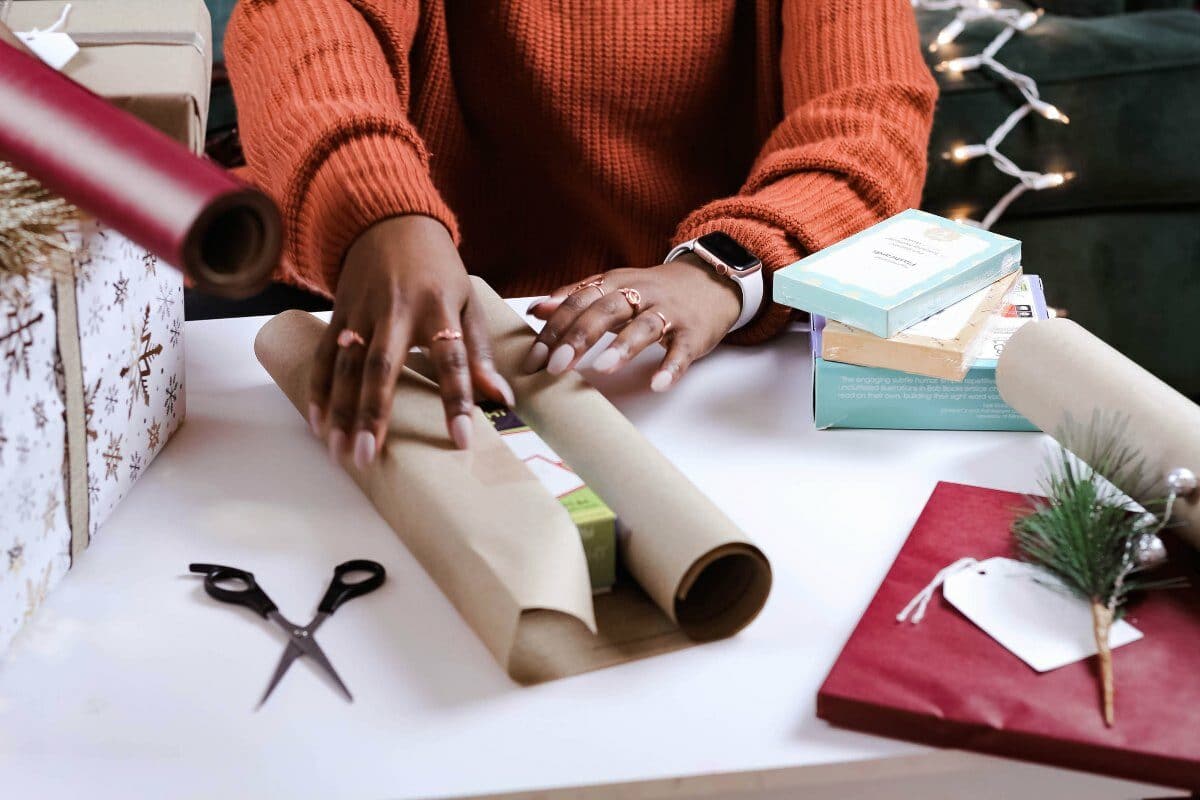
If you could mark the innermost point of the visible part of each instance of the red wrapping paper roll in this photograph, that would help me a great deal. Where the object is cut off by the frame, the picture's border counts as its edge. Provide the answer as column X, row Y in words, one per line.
column 224, row 234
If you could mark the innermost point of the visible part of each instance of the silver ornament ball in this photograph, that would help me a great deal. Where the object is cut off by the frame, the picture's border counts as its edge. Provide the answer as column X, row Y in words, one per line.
column 1146, row 521
column 1149, row 551
column 1182, row 481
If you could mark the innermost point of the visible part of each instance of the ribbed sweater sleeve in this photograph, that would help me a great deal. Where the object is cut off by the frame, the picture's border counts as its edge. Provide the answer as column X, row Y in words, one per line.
column 322, row 89
column 858, row 104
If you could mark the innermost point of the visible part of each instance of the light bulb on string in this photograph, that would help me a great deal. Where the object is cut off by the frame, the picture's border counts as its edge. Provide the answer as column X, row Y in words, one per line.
column 948, row 34
column 1063, row 177
column 1013, row 21
column 1028, row 19
column 1053, row 114
column 958, row 65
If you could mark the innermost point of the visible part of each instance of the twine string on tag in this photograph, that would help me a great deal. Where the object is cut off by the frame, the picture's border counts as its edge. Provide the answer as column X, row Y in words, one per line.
column 59, row 23
column 916, row 607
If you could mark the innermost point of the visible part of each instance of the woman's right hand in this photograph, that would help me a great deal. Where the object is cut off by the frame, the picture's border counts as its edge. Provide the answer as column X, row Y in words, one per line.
column 402, row 284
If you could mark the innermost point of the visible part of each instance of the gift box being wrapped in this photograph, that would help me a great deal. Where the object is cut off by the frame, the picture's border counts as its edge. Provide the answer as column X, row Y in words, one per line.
column 152, row 58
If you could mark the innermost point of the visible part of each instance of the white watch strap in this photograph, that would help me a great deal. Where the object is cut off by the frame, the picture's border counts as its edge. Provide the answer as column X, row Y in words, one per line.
column 751, row 286
column 752, row 297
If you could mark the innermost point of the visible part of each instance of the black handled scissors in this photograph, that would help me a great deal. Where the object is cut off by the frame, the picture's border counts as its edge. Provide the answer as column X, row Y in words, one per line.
column 300, row 639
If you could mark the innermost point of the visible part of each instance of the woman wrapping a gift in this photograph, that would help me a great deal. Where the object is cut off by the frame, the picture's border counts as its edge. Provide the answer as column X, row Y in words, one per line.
column 638, row 160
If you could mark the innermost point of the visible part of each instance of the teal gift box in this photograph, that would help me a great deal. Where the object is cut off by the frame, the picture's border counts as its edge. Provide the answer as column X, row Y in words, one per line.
column 850, row 396
column 897, row 273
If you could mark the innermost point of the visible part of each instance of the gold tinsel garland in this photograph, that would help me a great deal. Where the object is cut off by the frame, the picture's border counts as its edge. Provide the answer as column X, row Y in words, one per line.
column 31, row 221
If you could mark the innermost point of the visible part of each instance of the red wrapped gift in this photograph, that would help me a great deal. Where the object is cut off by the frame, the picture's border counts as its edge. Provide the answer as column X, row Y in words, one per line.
column 946, row 683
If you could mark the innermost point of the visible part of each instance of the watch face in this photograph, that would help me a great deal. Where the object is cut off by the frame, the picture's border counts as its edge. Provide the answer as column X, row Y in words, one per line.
column 728, row 252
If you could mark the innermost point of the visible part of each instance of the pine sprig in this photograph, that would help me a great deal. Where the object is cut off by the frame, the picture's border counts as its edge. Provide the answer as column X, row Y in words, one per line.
column 31, row 219
column 1084, row 531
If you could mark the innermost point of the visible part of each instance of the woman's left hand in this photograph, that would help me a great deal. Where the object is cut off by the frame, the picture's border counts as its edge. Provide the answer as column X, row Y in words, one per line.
column 684, row 299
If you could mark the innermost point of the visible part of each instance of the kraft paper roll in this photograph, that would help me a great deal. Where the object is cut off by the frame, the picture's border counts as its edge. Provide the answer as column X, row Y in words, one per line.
column 684, row 552
column 225, row 234
column 506, row 553
column 1055, row 373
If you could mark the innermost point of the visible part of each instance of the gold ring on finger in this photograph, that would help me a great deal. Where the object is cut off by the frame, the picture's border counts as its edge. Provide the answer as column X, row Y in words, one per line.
column 591, row 280
column 347, row 338
column 666, row 328
column 634, row 297
column 598, row 285
column 447, row 335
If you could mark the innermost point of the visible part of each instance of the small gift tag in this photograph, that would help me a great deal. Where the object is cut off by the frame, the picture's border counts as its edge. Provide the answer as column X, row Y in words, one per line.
column 56, row 49
column 1029, row 612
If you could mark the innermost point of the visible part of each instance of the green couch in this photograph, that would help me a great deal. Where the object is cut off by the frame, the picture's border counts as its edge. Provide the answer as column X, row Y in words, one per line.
column 1118, row 246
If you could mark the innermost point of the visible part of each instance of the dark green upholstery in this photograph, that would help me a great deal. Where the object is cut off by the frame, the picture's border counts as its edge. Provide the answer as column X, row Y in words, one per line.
column 1083, row 8
column 1158, row 5
column 221, row 113
column 1131, row 277
column 1098, row 8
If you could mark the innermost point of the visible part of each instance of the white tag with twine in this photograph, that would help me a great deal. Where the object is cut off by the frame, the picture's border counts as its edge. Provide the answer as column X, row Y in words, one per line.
column 52, row 45
column 1025, row 609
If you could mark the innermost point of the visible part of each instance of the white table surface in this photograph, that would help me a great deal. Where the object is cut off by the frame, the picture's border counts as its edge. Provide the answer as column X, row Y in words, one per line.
column 131, row 682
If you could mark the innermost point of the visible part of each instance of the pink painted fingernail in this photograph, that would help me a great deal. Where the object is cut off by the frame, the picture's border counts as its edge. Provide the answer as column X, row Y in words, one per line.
column 461, row 429
column 337, row 444
column 314, row 419
column 506, row 390
column 364, row 449
column 661, row 381
column 561, row 359
column 536, row 358
column 608, row 360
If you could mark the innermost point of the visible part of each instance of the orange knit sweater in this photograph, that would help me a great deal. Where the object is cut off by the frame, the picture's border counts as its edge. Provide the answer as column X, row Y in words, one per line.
column 558, row 138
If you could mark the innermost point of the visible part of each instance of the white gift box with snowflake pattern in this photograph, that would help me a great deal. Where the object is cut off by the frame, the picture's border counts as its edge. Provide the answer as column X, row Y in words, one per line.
column 129, row 309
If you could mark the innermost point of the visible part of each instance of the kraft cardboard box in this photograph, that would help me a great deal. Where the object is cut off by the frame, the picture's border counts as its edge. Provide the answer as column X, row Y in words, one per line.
column 851, row 396
column 153, row 58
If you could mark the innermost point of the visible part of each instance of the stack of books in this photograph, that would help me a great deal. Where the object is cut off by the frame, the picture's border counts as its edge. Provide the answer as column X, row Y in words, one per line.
column 909, row 319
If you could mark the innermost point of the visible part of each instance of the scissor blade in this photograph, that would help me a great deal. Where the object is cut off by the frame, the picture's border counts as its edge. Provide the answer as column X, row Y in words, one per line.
column 311, row 648
column 301, row 639
column 290, row 654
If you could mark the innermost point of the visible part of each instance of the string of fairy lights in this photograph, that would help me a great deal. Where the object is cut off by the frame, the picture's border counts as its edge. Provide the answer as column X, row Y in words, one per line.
column 1014, row 21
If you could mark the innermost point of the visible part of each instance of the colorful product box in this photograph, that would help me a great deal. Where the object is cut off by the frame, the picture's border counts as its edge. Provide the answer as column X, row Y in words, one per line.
column 596, row 522
column 851, row 396
column 897, row 273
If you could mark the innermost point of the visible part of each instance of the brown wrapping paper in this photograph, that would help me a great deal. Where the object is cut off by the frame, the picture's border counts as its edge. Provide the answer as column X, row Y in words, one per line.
column 505, row 552
column 1055, row 372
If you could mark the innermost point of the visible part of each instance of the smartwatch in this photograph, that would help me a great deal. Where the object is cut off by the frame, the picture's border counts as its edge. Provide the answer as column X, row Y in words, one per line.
column 729, row 260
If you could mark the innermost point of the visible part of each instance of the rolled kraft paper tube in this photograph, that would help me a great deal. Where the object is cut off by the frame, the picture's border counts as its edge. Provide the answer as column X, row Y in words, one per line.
column 698, row 567
column 224, row 234
column 1058, row 374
